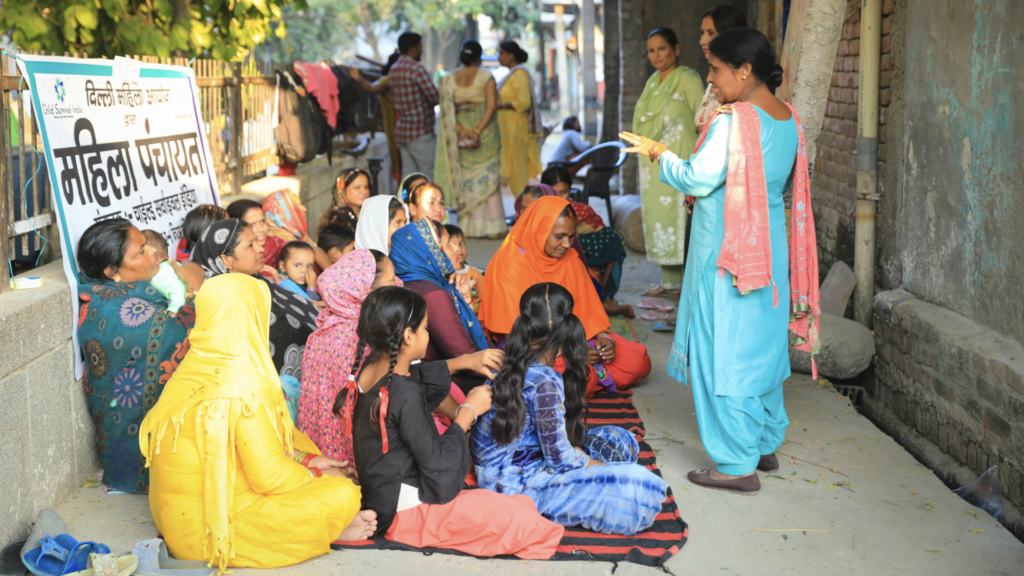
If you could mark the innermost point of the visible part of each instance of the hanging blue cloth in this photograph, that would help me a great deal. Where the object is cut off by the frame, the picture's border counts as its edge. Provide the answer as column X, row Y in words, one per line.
column 417, row 255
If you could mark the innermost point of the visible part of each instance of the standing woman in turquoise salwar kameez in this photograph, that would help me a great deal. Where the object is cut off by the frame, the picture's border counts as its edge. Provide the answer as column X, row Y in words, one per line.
column 742, row 274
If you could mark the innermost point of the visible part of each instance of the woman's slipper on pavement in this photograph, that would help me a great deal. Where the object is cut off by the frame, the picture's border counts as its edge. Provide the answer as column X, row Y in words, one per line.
column 745, row 485
column 660, row 327
column 662, row 293
column 655, row 304
column 654, row 315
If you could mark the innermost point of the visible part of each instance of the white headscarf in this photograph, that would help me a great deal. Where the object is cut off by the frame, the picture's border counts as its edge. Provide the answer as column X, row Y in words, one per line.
column 372, row 227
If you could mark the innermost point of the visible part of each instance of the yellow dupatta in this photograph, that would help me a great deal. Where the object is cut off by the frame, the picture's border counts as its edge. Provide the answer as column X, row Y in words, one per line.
column 228, row 373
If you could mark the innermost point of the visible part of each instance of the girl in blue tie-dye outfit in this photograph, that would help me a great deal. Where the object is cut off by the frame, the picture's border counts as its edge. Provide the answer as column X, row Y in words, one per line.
column 533, row 440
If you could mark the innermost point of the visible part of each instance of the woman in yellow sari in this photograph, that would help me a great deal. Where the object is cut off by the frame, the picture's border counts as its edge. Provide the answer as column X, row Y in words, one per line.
column 519, row 121
column 228, row 470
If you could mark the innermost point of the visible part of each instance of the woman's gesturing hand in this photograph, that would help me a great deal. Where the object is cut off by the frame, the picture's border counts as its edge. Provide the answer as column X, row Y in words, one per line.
column 643, row 145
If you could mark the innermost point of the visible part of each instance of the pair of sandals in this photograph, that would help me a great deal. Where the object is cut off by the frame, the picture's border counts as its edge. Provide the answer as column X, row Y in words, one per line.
column 745, row 485
column 47, row 555
column 659, row 314
column 62, row 555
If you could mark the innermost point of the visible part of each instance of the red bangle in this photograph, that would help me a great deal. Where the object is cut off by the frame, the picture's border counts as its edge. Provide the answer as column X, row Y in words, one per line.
column 309, row 458
column 316, row 472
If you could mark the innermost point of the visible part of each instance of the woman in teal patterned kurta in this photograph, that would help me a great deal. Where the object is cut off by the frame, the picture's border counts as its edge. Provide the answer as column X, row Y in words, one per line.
column 130, row 343
column 471, row 177
column 665, row 114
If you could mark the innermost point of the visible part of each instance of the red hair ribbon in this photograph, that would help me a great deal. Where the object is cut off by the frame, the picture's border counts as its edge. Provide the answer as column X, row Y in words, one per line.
column 383, row 415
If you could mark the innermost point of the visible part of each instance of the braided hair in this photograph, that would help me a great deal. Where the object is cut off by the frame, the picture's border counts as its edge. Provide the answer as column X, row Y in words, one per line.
column 383, row 318
column 545, row 323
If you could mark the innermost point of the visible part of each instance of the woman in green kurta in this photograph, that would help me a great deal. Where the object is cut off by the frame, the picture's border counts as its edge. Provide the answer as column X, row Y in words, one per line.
column 665, row 114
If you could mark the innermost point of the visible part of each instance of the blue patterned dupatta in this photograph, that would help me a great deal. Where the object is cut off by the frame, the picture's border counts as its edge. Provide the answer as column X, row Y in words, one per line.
column 417, row 255
column 132, row 346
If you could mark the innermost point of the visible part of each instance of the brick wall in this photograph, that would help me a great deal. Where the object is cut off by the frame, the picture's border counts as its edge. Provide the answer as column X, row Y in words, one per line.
column 834, row 181
column 955, row 382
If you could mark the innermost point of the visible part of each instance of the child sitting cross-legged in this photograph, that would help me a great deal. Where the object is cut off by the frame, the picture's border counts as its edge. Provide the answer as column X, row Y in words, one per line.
column 296, row 267
column 534, row 440
column 412, row 475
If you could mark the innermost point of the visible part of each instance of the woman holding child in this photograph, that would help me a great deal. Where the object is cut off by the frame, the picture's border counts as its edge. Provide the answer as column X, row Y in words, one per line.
column 130, row 341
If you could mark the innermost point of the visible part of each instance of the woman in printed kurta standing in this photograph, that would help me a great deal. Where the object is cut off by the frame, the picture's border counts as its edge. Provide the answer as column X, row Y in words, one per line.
column 735, row 308
column 233, row 482
column 519, row 120
column 665, row 114
column 470, row 175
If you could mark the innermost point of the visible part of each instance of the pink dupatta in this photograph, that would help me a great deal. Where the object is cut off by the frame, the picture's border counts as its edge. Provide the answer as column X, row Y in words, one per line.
column 327, row 360
column 746, row 248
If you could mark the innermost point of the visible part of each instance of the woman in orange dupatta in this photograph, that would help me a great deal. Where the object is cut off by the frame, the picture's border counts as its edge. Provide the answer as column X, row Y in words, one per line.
column 539, row 249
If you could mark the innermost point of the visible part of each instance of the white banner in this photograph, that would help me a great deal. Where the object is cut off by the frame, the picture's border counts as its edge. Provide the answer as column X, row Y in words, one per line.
column 122, row 139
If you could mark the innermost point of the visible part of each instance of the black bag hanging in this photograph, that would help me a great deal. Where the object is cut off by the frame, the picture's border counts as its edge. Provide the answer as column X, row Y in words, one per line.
column 298, row 133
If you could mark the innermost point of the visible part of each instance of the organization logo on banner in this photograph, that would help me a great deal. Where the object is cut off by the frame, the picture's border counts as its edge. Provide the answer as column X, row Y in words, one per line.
column 58, row 87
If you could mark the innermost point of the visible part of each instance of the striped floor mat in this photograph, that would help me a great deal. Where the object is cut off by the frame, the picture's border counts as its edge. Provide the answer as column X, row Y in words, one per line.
column 652, row 547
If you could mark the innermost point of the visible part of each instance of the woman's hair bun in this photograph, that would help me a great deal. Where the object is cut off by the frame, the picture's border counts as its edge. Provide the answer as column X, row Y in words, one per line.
column 471, row 52
column 775, row 79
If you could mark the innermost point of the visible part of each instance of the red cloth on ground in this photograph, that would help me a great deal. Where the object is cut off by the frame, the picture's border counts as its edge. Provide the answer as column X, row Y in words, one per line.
column 631, row 365
column 482, row 523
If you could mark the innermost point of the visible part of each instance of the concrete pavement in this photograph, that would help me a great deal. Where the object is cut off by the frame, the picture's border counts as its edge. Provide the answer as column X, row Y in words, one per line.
column 852, row 501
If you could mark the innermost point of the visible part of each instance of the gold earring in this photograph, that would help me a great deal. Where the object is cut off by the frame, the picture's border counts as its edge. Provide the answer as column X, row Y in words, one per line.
column 117, row 278
column 744, row 76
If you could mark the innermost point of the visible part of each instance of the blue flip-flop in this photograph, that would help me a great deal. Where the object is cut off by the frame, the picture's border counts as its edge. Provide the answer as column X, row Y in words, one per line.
column 46, row 555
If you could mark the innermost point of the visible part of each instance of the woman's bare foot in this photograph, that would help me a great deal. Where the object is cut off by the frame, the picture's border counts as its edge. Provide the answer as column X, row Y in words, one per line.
column 716, row 475
column 363, row 526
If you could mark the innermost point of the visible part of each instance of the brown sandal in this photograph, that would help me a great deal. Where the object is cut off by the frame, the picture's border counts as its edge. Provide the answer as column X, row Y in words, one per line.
column 660, row 292
column 746, row 485
column 768, row 463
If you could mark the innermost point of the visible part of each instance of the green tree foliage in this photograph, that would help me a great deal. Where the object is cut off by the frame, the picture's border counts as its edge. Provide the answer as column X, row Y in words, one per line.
column 220, row 29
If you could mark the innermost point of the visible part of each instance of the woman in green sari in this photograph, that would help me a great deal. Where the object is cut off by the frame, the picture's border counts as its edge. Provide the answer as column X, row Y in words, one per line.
column 665, row 114
column 468, row 145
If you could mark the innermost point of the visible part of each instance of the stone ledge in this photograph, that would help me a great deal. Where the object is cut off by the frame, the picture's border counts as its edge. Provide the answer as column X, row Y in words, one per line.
column 952, row 473
column 954, row 381
column 35, row 321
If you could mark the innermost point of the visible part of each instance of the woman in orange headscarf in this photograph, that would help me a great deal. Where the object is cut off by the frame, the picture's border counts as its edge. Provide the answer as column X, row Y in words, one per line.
column 539, row 249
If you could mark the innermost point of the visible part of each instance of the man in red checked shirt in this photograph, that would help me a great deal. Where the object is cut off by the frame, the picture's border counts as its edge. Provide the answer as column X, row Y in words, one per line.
column 415, row 96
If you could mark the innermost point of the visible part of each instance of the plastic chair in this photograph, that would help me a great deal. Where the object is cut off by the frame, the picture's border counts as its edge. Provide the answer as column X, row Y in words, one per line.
column 605, row 159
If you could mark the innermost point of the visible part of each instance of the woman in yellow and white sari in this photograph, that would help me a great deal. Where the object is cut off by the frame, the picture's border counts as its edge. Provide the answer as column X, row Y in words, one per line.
column 470, row 175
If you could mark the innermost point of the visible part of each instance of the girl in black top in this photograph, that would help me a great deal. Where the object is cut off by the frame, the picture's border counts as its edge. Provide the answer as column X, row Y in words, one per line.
column 412, row 476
